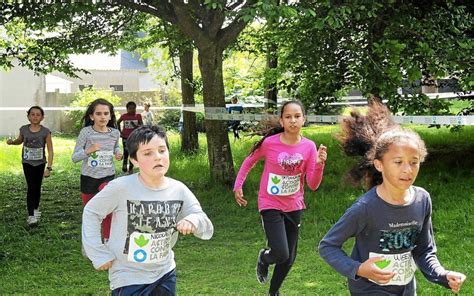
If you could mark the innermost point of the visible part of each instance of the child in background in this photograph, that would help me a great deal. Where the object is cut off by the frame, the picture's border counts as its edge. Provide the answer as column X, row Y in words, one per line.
column 96, row 146
column 149, row 210
column 131, row 121
column 235, row 108
column 289, row 158
column 147, row 115
column 34, row 137
column 391, row 223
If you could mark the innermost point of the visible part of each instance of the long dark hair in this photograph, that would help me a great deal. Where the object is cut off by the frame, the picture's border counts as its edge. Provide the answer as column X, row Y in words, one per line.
column 370, row 137
column 272, row 126
column 86, row 119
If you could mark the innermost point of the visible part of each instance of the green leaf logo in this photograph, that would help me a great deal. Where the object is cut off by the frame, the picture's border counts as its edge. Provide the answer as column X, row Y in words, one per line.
column 275, row 180
column 383, row 264
column 94, row 155
column 141, row 241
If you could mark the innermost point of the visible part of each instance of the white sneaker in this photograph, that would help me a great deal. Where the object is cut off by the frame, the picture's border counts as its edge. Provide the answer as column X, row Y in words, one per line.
column 37, row 214
column 31, row 220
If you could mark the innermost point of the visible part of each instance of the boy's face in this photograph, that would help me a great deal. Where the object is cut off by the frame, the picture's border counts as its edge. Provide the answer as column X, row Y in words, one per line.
column 153, row 158
column 132, row 109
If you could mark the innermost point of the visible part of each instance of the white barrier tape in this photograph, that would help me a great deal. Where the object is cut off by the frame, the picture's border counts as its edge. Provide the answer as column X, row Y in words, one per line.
column 424, row 120
column 221, row 113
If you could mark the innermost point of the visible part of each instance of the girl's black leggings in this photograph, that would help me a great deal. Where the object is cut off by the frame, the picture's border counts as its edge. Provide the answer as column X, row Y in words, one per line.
column 34, row 178
column 282, row 231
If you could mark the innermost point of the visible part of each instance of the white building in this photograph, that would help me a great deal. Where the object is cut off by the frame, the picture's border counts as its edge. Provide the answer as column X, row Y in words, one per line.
column 121, row 72
column 20, row 89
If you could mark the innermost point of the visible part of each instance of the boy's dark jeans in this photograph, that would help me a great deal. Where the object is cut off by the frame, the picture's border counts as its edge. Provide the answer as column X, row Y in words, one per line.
column 165, row 286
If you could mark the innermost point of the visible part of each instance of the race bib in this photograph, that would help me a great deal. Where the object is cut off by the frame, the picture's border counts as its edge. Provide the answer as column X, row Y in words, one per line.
column 283, row 185
column 402, row 265
column 101, row 159
column 32, row 153
column 130, row 124
column 149, row 247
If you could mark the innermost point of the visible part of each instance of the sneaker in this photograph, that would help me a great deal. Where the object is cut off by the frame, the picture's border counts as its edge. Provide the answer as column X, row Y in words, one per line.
column 262, row 268
column 31, row 220
column 37, row 214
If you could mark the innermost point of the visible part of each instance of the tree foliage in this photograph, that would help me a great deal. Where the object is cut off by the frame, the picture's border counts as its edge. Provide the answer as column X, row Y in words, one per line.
column 81, row 27
column 376, row 47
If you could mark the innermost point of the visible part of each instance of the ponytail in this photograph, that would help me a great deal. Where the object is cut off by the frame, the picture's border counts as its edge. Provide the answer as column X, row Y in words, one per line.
column 359, row 137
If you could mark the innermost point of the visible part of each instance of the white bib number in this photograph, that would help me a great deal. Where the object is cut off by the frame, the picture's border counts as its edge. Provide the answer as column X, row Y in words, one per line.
column 149, row 247
column 283, row 185
column 32, row 153
column 402, row 265
column 101, row 159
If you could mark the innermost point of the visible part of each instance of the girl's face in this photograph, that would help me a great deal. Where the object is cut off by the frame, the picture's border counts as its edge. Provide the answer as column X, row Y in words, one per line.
column 101, row 115
column 153, row 159
column 399, row 165
column 35, row 116
column 292, row 119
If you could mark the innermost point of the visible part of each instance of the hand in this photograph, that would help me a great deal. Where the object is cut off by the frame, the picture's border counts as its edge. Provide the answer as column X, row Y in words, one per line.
column 239, row 197
column 118, row 156
column 95, row 147
column 185, row 227
column 46, row 173
column 322, row 154
column 369, row 270
column 106, row 266
column 455, row 280
column 9, row 142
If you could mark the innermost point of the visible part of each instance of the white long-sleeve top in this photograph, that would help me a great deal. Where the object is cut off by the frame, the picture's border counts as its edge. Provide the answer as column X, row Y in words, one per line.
column 143, row 228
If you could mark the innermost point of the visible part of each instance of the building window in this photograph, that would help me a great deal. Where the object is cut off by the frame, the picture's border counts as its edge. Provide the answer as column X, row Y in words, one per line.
column 116, row 87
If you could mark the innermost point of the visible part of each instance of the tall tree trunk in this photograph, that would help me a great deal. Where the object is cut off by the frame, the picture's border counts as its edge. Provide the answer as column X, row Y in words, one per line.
column 271, row 90
column 189, row 135
column 218, row 145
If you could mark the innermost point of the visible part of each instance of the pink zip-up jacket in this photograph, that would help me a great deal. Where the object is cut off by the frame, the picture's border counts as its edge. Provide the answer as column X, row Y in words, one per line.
column 282, row 181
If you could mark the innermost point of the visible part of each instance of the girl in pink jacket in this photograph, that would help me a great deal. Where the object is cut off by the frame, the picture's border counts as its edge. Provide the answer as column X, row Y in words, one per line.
column 289, row 159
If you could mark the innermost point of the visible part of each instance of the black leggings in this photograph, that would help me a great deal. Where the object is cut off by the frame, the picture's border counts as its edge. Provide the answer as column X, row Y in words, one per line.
column 34, row 178
column 282, row 231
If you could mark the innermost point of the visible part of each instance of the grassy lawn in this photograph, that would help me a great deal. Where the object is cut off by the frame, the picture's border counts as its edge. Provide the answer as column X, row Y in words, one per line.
column 46, row 260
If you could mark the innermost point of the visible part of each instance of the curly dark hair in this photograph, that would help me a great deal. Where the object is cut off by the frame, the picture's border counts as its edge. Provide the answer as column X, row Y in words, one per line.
column 370, row 136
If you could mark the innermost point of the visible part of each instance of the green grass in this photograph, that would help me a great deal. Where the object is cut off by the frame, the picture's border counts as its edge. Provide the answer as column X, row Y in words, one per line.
column 46, row 260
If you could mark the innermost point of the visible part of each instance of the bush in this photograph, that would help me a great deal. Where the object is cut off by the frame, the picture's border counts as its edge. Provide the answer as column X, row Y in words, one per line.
column 83, row 99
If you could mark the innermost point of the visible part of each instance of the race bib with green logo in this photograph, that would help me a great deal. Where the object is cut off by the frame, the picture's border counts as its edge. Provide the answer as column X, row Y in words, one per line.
column 101, row 159
column 149, row 247
column 283, row 185
column 402, row 265
column 32, row 153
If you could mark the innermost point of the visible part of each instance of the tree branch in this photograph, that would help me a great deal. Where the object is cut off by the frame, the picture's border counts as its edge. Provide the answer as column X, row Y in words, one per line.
column 161, row 9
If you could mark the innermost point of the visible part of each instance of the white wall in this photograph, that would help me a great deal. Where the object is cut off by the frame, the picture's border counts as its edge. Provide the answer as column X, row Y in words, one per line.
column 19, row 87
column 147, row 82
